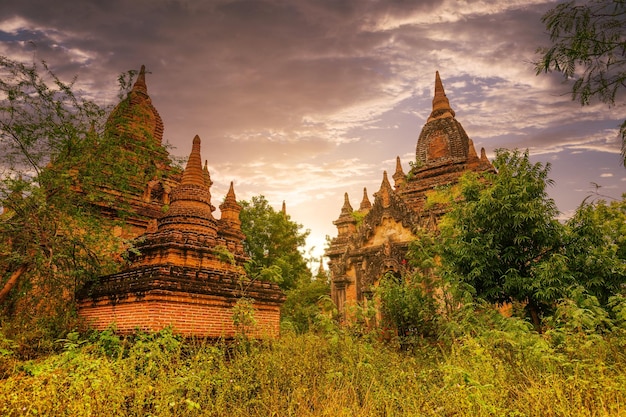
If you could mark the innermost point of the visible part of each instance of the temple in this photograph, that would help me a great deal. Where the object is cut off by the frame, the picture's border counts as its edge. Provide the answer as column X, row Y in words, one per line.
column 135, row 124
column 186, row 270
column 373, row 240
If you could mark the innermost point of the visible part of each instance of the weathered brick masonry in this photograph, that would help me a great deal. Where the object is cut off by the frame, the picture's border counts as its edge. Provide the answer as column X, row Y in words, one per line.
column 189, row 271
column 362, row 253
column 193, row 302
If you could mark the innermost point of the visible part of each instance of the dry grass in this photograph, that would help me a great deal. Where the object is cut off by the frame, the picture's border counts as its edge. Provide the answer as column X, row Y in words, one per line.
column 497, row 374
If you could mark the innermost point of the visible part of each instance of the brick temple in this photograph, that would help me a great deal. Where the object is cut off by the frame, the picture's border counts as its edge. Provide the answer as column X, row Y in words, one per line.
column 137, row 125
column 187, row 272
column 364, row 251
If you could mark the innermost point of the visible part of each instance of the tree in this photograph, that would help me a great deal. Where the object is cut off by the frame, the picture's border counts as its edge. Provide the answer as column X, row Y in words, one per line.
column 503, row 237
column 595, row 247
column 273, row 242
column 305, row 305
column 57, row 161
column 588, row 45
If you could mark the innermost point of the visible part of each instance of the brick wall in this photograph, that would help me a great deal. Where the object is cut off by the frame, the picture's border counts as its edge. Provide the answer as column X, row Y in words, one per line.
column 188, row 314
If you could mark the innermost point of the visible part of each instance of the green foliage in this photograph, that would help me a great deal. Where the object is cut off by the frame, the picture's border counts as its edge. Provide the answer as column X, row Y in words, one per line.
column 244, row 317
column 588, row 46
column 224, row 254
column 408, row 307
column 504, row 235
column 358, row 216
column 500, row 242
column 503, row 368
column 307, row 306
column 595, row 247
column 58, row 161
column 273, row 242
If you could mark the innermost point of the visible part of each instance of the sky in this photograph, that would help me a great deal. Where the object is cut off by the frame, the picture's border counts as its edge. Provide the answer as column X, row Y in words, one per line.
column 304, row 100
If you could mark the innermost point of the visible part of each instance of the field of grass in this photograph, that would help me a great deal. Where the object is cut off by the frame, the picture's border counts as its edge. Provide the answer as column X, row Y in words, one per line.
column 497, row 373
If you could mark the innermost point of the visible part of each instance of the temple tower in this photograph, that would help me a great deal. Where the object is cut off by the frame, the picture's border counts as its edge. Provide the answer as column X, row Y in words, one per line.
column 187, row 273
column 364, row 252
column 136, row 128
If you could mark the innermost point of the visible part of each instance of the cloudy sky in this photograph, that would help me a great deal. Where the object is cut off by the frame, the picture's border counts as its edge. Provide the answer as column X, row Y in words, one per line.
column 303, row 100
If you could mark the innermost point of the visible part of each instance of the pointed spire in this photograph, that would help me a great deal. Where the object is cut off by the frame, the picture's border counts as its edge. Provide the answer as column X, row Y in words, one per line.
column 193, row 173
column 384, row 194
column 321, row 273
column 190, row 202
column 346, row 223
column 230, row 195
column 136, row 119
column 385, row 183
column 441, row 105
column 140, row 84
column 347, row 208
column 230, row 209
column 399, row 177
column 365, row 203
column 483, row 154
column 284, row 209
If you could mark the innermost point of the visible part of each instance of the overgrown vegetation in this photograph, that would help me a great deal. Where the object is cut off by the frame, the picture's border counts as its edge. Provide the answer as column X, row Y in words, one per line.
column 62, row 164
column 485, row 365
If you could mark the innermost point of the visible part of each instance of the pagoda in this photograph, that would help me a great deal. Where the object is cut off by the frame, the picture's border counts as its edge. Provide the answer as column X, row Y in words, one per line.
column 187, row 272
column 373, row 240
column 136, row 126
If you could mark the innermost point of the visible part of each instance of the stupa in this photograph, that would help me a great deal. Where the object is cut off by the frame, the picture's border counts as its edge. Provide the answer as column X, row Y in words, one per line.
column 135, row 124
column 187, row 272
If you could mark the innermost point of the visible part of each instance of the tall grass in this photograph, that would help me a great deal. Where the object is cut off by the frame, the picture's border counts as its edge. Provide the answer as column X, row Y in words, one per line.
column 504, row 373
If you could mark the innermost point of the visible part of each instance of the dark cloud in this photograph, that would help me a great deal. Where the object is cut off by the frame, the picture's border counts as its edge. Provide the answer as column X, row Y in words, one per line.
column 306, row 99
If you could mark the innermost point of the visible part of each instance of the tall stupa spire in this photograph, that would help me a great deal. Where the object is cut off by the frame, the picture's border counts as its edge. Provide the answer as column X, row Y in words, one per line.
column 230, row 210
column 140, row 84
column 399, row 177
column 190, row 207
column 137, row 119
column 365, row 202
column 441, row 105
column 194, row 173
column 347, row 207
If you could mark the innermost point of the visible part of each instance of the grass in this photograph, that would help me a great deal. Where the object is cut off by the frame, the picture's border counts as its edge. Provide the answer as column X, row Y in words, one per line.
column 335, row 374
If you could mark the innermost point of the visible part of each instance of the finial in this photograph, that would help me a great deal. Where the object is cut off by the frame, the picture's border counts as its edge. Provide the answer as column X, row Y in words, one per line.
column 399, row 166
column 347, row 208
column 230, row 208
column 385, row 180
column 384, row 194
column 284, row 208
column 230, row 195
column 365, row 203
column 140, row 84
column 441, row 105
column 193, row 173
column 399, row 177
